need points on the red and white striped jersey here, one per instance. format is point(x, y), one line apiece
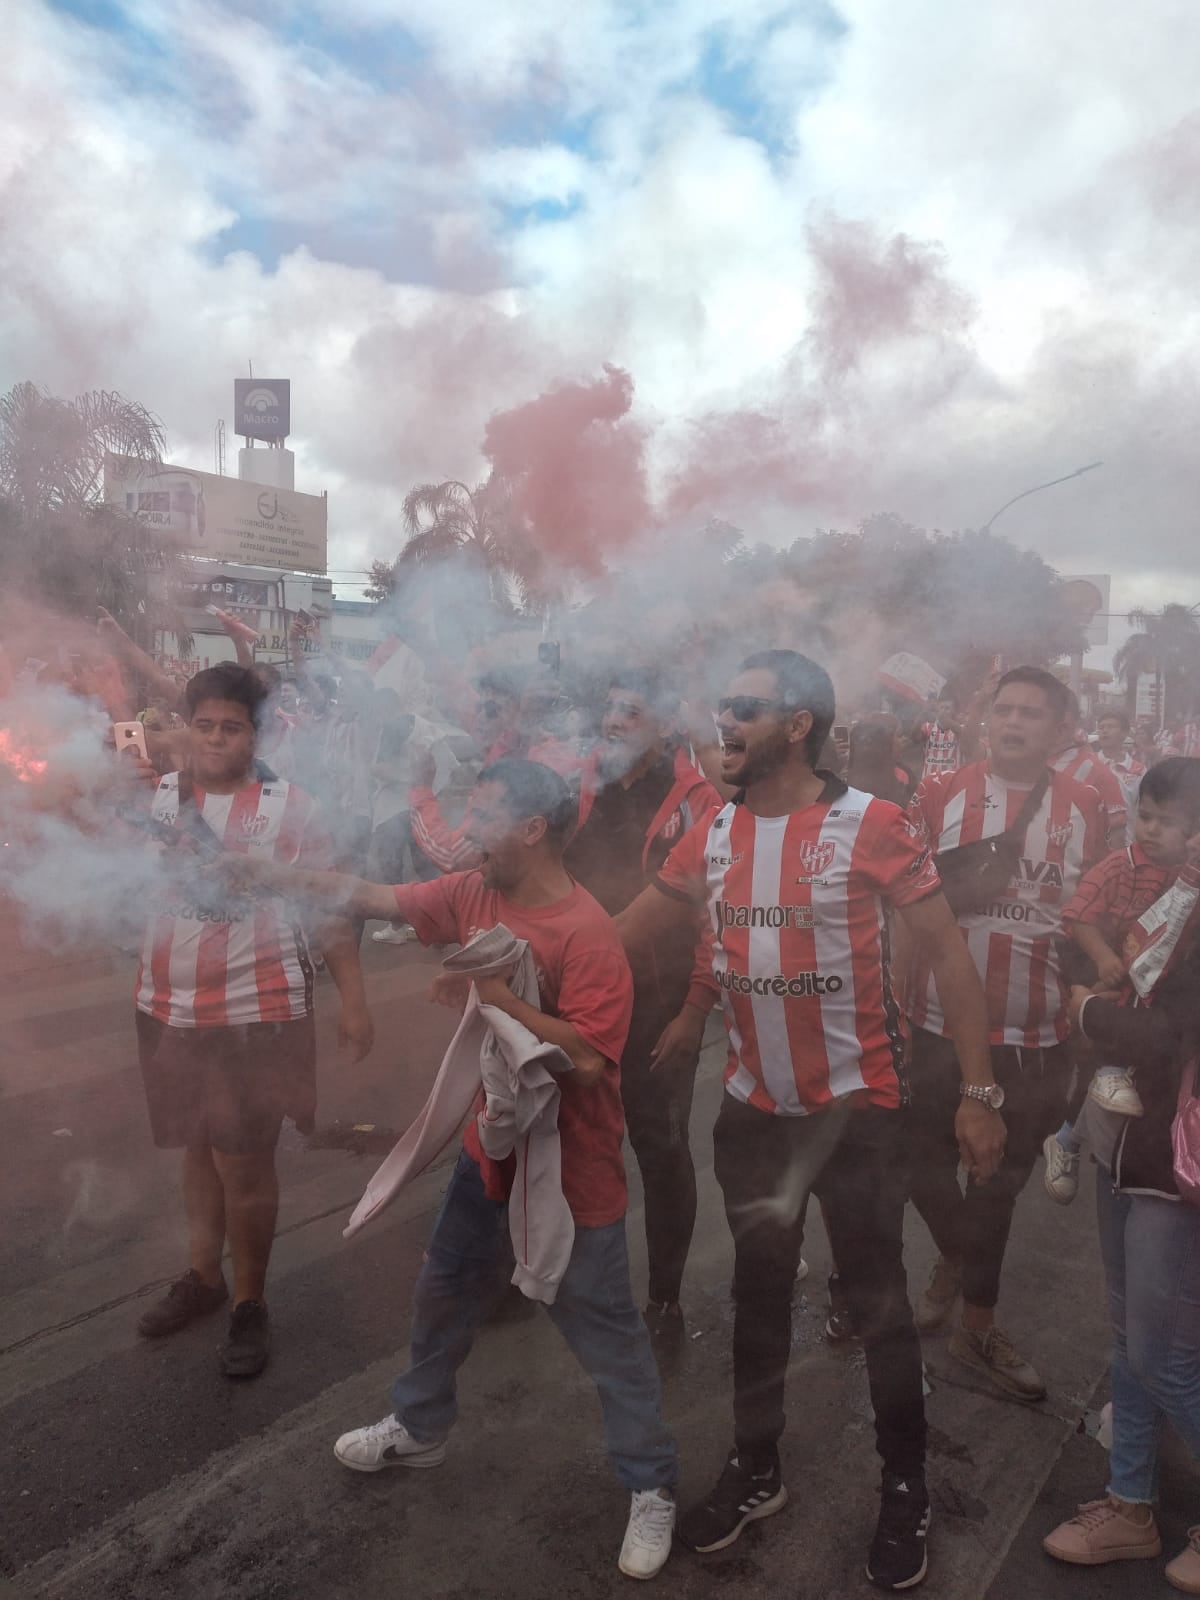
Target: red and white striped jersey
point(1186, 740)
point(1012, 941)
point(1129, 772)
point(1081, 762)
point(799, 912)
point(234, 960)
point(943, 750)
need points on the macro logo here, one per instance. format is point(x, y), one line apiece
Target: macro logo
point(262, 408)
point(268, 506)
point(264, 402)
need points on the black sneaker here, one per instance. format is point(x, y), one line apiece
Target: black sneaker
point(248, 1342)
point(187, 1299)
point(898, 1558)
point(739, 1497)
point(667, 1334)
point(839, 1324)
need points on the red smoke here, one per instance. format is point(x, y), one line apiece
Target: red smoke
point(873, 291)
point(886, 323)
point(575, 464)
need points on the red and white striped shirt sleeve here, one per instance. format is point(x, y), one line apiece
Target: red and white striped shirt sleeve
point(448, 848)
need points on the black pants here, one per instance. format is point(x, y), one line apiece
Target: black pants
point(972, 1228)
point(658, 1109)
point(855, 1162)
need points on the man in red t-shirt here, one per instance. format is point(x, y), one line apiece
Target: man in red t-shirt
point(517, 822)
point(799, 877)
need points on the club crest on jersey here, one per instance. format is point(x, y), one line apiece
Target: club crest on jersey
point(1060, 836)
point(255, 827)
point(674, 825)
point(814, 856)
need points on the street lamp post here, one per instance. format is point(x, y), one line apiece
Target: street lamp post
point(1076, 655)
point(1037, 489)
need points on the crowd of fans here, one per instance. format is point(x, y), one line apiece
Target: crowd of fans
point(927, 929)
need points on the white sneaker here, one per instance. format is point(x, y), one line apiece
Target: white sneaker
point(394, 933)
point(1061, 1176)
point(1115, 1092)
point(386, 1444)
point(647, 1542)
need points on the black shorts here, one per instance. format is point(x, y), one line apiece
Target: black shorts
point(227, 1088)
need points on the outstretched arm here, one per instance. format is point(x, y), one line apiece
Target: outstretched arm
point(336, 892)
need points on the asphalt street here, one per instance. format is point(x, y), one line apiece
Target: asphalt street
point(133, 1471)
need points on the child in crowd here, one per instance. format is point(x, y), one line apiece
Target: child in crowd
point(1100, 917)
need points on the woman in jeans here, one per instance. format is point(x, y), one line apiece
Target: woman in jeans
point(1150, 1242)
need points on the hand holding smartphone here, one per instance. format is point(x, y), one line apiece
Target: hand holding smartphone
point(131, 736)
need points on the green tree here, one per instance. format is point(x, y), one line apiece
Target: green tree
point(58, 540)
point(1166, 645)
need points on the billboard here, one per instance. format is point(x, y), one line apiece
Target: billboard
point(1087, 601)
point(262, 407)
point(225, 519)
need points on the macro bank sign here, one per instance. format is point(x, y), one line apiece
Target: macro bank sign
point(262, 408)
point(226, 519)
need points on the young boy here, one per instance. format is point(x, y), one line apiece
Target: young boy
point(1108, 902)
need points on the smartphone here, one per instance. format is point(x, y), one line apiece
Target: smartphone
point(131, 736)
point(550, 655)
point(841, 733)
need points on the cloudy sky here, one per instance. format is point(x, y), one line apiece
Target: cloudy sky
point(853, 257)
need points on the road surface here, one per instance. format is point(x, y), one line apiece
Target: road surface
point(133, 1471)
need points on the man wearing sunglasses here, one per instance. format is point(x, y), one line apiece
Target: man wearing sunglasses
point(800, 876)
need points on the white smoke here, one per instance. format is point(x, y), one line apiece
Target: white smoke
point(76, 869)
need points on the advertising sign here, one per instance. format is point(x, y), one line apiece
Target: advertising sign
point(262, 407)
point(225, 519)
point(911, 678)
point(1087, 601)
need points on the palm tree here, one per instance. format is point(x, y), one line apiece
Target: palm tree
point(448, 520)
point(58, 540)
point(1167, 644)
point(52, 451)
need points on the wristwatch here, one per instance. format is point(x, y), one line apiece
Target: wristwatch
point(989, 1094)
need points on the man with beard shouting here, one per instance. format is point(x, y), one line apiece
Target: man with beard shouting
point(800, 876)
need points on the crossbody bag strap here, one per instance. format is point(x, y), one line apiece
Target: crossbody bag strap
point(1033, 802)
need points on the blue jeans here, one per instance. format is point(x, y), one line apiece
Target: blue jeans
point(1151, 1251)
point(594, 1312)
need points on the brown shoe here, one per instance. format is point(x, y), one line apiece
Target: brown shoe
point(932, 1310)
point(1100, 1532)
point(991, 1352)
point(187, 1299)
point(1184, 1571)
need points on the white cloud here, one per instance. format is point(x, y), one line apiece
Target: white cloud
point(1051, 153)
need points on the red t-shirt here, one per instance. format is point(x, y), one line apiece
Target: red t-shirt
point(584, 978)
point(799, 913)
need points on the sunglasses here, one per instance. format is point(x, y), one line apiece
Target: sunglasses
point(747, 707)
